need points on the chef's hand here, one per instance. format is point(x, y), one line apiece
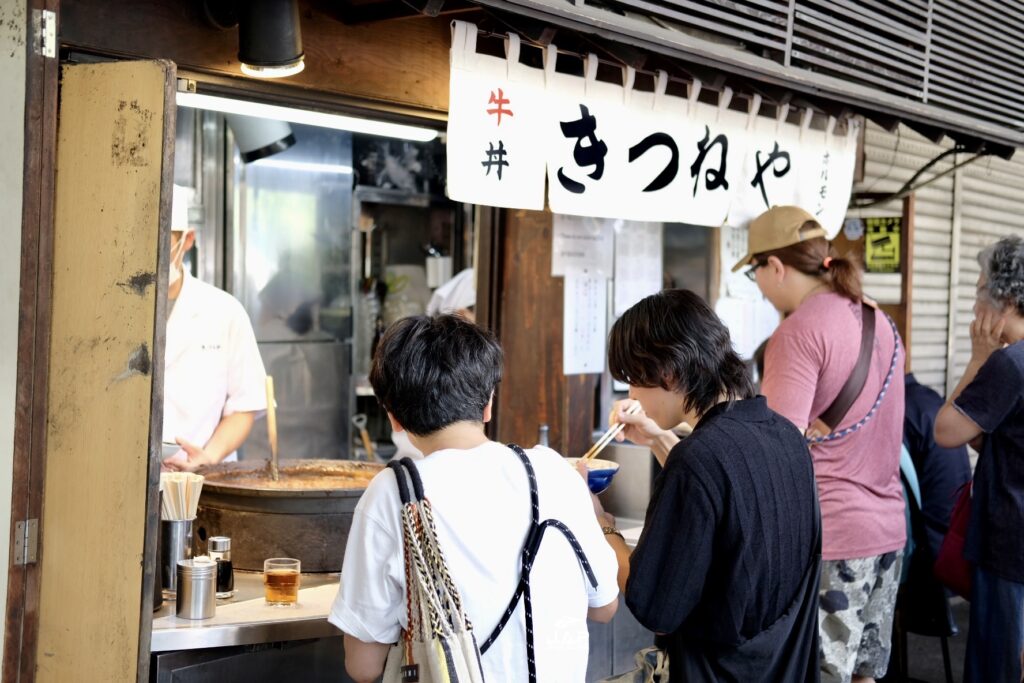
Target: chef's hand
point(195, 457)
point(640, 429)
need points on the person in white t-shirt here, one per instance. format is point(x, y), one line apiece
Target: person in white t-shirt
point(214, 381)
point(435, 377)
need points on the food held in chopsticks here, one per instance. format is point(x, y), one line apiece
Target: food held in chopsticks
point(600, 472)
point(612, 432)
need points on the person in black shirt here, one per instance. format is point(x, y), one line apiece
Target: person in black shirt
point(989, 401)
point(940, 471)
point(727, 567)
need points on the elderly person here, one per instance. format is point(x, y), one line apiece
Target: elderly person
point(989, 403)
point(726, 570)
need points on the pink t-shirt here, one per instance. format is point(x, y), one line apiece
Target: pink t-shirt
point(807, 362)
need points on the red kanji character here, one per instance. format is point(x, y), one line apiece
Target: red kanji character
point(499, 100)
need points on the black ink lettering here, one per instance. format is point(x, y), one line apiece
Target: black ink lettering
point(668, 174)
point(769, 162)
point(714, 178)
point(591, 154)
point(495, 158)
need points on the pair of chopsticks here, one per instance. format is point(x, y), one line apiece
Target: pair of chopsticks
point(607, 437)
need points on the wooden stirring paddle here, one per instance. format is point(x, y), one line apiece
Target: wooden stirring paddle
point(272, 429)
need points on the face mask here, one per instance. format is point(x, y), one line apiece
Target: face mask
point(177, 256)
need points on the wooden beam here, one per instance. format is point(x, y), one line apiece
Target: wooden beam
point(22, 616)
point(907, 272)
point(404, 62)
point(534, 391)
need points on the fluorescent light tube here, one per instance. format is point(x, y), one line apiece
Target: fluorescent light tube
point(227, 105)
point(309, 167)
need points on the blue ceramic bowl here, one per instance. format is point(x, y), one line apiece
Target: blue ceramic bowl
point(599, 473)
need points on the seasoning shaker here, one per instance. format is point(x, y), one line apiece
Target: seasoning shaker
point(219, 548)
point(542, 435)
point(196, 588)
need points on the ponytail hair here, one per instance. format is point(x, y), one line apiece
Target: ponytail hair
point(819, 259)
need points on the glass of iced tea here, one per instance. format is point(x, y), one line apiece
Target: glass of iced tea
point(281, 581)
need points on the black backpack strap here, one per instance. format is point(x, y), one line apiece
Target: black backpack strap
point(414, 474)
point(403, 485)
point(527, 557)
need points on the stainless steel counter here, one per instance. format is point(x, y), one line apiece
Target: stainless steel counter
point(246, 619)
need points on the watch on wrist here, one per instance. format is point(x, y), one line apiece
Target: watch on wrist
point(612, 531)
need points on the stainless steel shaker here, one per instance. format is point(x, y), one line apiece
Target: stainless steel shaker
point(196, 594)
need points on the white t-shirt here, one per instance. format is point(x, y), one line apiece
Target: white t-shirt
point(212, 366)
point(481, 503)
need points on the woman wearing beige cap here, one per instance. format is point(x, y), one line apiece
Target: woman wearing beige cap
point(850, 408)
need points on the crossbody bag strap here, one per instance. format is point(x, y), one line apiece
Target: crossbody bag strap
point(527, 557)
point(835, 413)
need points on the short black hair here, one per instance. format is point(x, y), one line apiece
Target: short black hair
point(674, 340)
point(430, 372)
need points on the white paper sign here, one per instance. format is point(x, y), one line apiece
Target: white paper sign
point(610, 151)
point(582, 245)
point(750, 322)
point(583, 324)
point(638, 263)
point(734, 247)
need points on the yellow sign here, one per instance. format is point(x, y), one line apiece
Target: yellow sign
point(882, 244)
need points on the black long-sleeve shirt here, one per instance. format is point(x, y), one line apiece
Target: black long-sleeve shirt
point(940, 471)
point(730, 531)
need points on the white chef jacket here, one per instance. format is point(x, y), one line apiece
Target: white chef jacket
point(212, 364)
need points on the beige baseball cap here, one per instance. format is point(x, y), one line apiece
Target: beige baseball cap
point(776, 228)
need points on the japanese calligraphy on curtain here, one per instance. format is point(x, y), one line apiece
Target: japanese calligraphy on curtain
point(610, 151)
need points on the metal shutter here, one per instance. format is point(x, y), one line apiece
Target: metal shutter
point(890, 159)
point(993, 207)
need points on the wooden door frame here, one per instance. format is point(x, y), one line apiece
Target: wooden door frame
point(41, 80)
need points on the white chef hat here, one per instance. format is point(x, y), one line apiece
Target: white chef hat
point(180, 201)
point(454, 295)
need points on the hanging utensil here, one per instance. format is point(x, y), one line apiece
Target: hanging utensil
point(360, 423)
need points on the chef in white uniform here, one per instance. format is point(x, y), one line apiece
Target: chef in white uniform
point(214, 381)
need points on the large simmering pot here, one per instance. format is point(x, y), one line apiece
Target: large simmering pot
point(305, 515)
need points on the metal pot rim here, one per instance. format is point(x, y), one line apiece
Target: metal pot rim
point(221, 487)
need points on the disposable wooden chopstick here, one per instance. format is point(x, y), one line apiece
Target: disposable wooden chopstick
point(181, 494)
point(607, 437)
point(196, 489)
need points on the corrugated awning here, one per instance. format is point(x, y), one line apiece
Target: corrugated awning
point(924, 62)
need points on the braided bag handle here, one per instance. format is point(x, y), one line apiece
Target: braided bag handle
point(432, 594)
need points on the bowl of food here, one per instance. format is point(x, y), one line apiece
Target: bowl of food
point(599, 473)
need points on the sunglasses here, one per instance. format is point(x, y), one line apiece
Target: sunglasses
point(752, 270)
